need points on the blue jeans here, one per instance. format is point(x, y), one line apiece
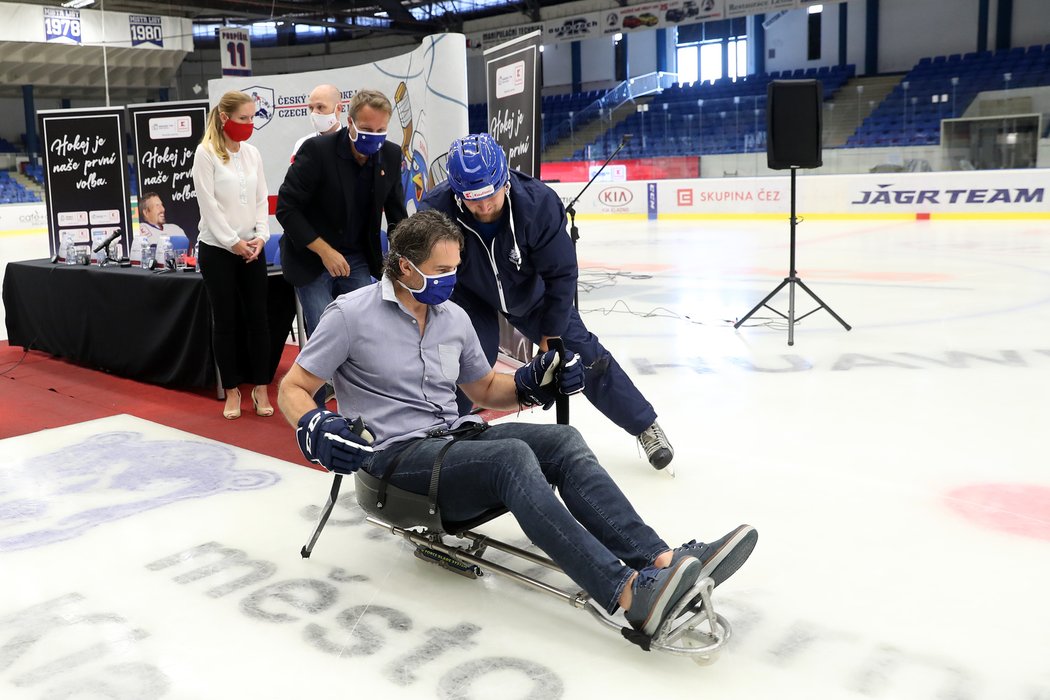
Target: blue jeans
point(317, 295)
point(591, 532)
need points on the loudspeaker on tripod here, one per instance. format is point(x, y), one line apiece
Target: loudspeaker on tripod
point(793, 124)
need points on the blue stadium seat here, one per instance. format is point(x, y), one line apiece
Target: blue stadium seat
point(272, 248)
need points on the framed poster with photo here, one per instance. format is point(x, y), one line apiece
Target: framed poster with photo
point(165, 136)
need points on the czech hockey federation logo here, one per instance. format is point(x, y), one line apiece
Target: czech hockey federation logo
point(264, 104)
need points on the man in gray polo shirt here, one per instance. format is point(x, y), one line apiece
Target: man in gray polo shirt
point(397, 366)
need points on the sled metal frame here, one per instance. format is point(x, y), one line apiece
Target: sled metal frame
point(696, 632)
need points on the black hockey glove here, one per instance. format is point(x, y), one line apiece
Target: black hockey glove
point(539, 382)
point(330, 440)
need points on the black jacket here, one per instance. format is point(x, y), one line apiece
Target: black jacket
point(312, 203)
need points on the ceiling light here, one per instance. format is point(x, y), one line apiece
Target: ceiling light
point(77, 4)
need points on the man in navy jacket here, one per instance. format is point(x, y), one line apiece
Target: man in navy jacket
point(519, 261)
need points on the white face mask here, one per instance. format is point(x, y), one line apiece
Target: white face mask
point(323, 122)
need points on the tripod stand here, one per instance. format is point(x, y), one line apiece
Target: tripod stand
point(574, 232)
point(790, 281)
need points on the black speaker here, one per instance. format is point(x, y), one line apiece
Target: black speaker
point(793, 124)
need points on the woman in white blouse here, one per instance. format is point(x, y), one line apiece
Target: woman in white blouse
point(231, 191)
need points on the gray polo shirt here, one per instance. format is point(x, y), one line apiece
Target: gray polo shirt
point(403, 385)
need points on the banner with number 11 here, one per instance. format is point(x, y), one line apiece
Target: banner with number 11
point(236, 51)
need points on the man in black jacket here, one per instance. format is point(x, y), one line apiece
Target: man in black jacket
point(519, 261)
point(331, 205)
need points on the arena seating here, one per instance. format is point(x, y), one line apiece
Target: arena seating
point(13, 192)
point(728, 116)
point(35, 173)
point(909, 116)
point(555, 109)
point(706, 118)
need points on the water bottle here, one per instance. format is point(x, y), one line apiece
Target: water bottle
point(197, 256)
point(169, 254)
point(71, 253)
point(166, 253)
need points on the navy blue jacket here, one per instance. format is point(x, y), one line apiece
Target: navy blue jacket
point(531, 266)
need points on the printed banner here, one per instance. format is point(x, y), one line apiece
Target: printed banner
point(62, 26)
point(26, 24)
point(742, 8)
point(513, 86)
point(428, 87)
point(165, 136)
point(572, 28)
point(24, 218)
point(697, 10)
point(488, 39)
point(146, 29)
point(85, 178)
point(626, 19)
point(658, 15)
point(651, 15)
point(908, 196)
point(512, 77)
point(235, 51)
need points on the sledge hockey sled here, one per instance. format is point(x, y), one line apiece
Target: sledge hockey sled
point(696, 632)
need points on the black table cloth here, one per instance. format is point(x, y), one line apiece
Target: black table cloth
point(134, 323)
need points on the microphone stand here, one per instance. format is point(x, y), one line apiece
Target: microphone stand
point(104, 258)
point(574, 232)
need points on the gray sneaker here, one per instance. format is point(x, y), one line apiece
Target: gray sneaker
point(657, 449)
point(657, 591)
point(720, 559)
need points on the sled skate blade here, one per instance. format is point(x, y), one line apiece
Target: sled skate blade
point(447, 562)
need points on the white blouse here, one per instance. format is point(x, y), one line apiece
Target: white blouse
point(232, 196)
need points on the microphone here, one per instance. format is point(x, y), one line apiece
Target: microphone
point(627, 138)
point(112, 237)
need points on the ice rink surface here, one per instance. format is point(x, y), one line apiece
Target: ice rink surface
point(894, 473)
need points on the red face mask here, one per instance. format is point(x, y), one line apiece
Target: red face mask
point(238, 131)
